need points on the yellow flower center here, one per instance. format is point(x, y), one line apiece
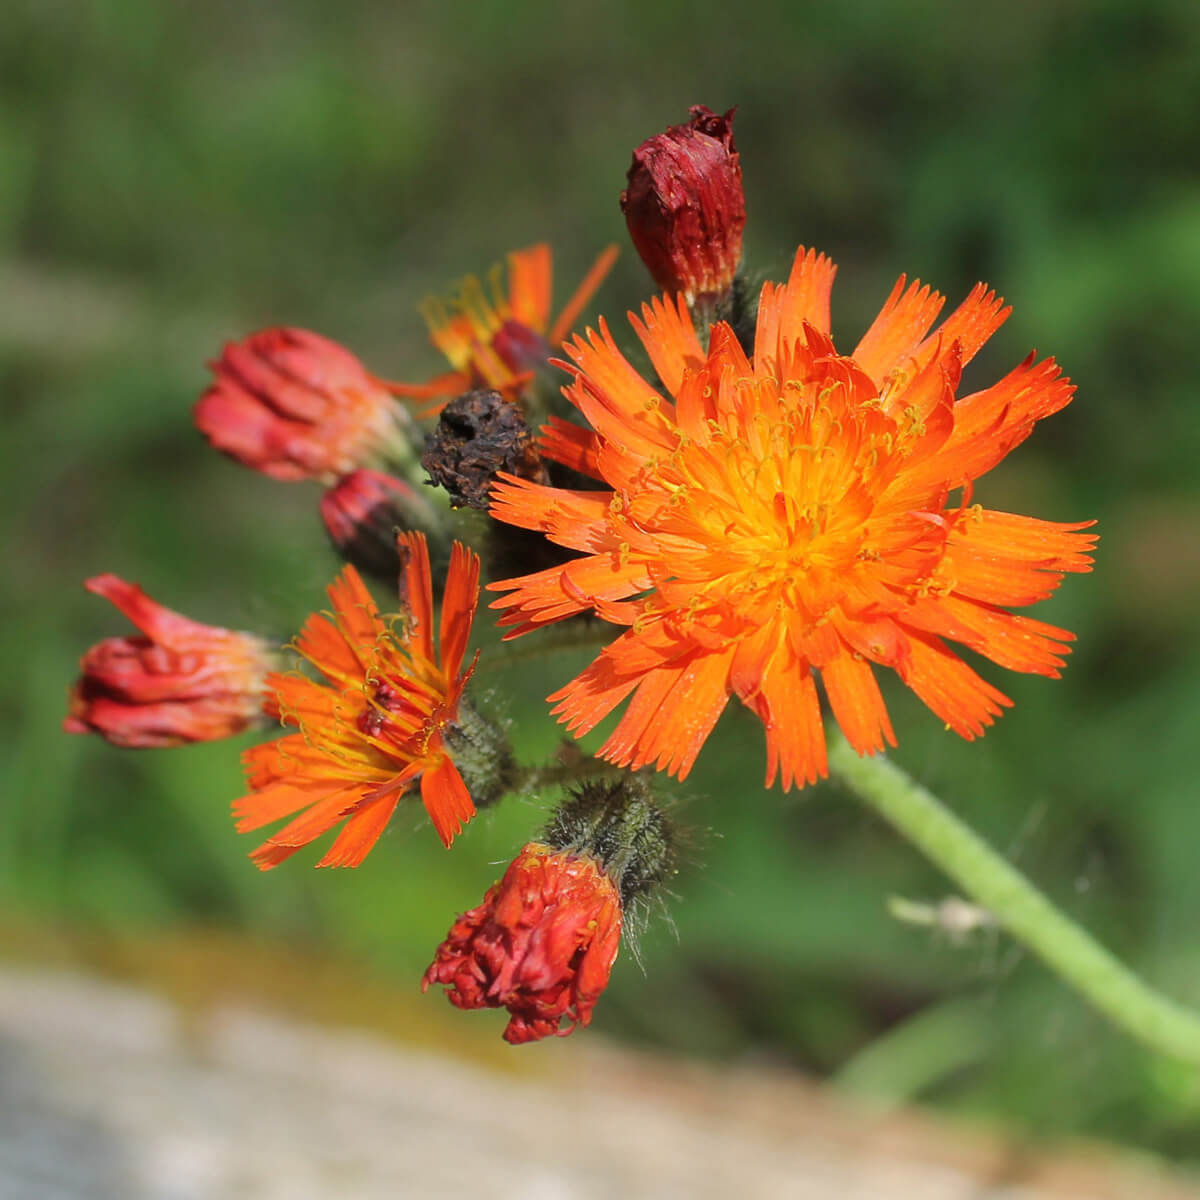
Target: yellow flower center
point(776, 509)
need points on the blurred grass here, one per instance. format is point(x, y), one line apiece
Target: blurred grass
point(172, 176)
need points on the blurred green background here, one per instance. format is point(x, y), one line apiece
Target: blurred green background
point(175, 175)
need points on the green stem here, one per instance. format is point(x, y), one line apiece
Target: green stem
point(1017, 905)
point(554, 774)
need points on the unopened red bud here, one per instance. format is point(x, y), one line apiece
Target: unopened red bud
point(362, 512)
point(295, 405)
point(179, 681)
point(542, 944)
point(685, 207)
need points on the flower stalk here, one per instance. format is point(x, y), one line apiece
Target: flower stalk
point(1018, 906)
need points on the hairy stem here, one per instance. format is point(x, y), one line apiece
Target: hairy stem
point(1017, 905)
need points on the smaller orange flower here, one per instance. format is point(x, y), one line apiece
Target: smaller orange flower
point(377, 726)
point(542, 944)
point(179, 682)
point(500, 343)
point(295, 405)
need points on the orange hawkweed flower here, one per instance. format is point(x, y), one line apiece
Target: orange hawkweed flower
point(377, 725)
point(500, 342)
point(789, 513)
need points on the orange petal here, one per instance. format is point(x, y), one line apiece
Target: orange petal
point(361, 832)
point(966, 702)
point(1006, 559)
point(446, 799)
point(970, 324)
point(560, 592)
point(459, 601)
point(667, 332)
point(804, 299)
point(766, 329)
point(284, 759)
point(450, 383)
point(277, 800)
point(857, 704)
point(791, 712)
point(356, 625)
point(584, 702)
point(296, 698)
point(618, 403)
point(895, 334)
point(671, 714)
point(575, 519)
point(418, 592)
point(322, 816)
point(530, 283)
point(1015, 642)
point(988, 425)
point(572, 445)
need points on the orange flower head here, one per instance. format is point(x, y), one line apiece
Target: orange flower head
point(499, 341)
point(295, 405)
point(179, 682)
point(790, 513)
point(542, 944)
point(379, 723)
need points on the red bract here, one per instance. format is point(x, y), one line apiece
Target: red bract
point(180, 682)
point(542, 944)
point(685, 207)
point(295, 405)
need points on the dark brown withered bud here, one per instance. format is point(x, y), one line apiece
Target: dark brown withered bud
point(478, 435)
point(685, 206)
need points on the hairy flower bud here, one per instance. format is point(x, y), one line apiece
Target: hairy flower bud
point(179, 682)
point(543, 942)
point(619, 822)
point(295, 405)
point(685, 207)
